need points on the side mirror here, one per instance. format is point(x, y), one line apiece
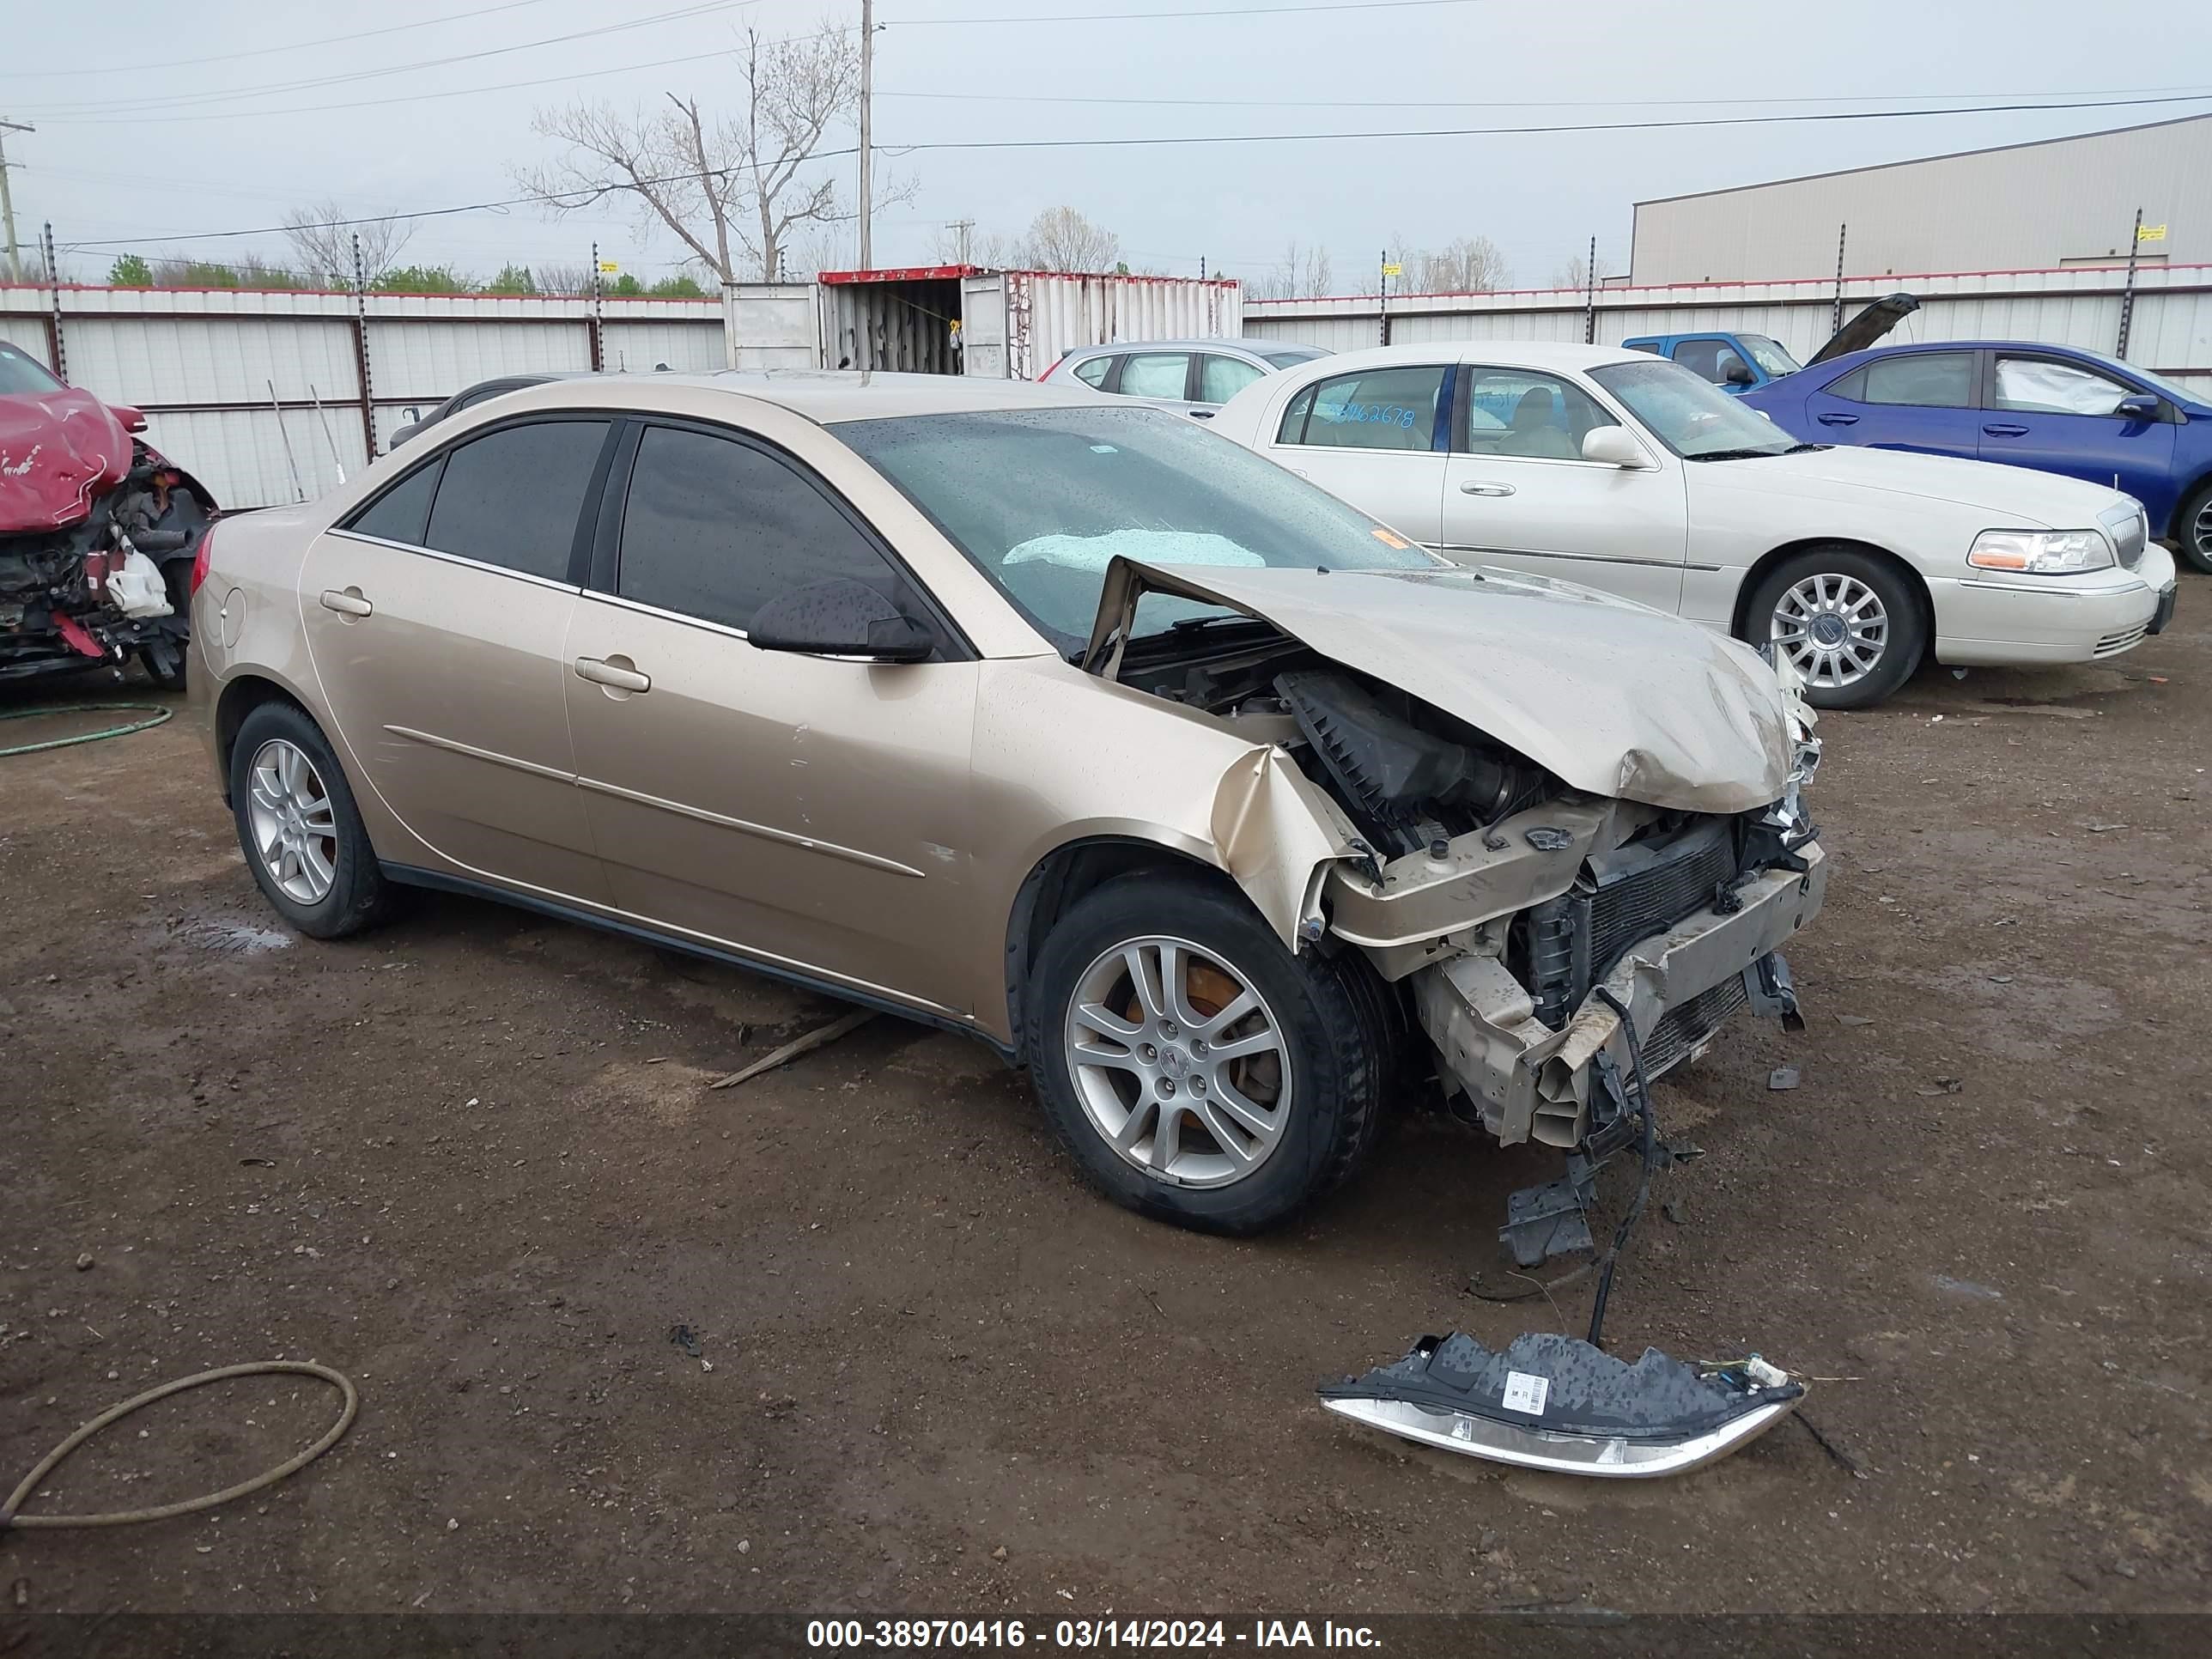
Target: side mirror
point(841, 618)
point(1740, 374)
point(2141, 406)
point(134, 421)
point(1613, 447)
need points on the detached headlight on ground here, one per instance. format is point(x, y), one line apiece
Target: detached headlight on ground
point(1553, 1403)
point(2041, 552)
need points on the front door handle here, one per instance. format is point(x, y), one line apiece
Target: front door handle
point(1836, 420)
point(348, 603)
point(1478, 487)
point(2005, 430)
point(617, 673)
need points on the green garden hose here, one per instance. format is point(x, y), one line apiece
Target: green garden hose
point(155, 710)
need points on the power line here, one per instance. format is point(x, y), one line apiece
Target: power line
point(1226, 11)
point(194, 99)
point(589, 192)
point(1494, 103)
point(108, 69)
point(419, 97)
point(1552, 127)
point(592, 193)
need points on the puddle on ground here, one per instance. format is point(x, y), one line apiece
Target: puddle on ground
point(230, 937)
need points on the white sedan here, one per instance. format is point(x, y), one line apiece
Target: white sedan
point(1623, 472)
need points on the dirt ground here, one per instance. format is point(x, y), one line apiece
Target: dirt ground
point(470, 1159)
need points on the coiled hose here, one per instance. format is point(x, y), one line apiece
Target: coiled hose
point(155, 710)
point(45, 1466)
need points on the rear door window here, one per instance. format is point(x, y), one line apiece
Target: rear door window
point(511, 498)
point(1092, 371)
point(714, 528)
point(401, 512)
point(1391, 408)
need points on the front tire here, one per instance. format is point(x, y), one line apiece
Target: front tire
point(1199, 1071)
point(1846, 619)
point(302, 836)
point(2192, 531)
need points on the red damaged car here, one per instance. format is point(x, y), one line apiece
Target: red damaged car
point(97, 532)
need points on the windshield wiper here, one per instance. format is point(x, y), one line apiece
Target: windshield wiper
point(1745, 454)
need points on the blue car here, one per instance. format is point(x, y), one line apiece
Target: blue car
point(2054, 408)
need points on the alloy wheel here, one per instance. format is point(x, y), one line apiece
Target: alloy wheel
point(294, 829)
point(1178, 1061)
point(1833, 628)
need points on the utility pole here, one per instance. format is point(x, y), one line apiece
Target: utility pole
point(867, 149)
point(960, 228)
point(8, 199)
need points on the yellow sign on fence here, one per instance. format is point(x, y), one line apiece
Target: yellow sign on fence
point(2150, 233)
point(1394, 270)
point(609, 266)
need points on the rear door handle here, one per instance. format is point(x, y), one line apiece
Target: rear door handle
point(1836, 420)
point(1477, 487)
point(602, 672)
point(348, 603)
point(2005, 430)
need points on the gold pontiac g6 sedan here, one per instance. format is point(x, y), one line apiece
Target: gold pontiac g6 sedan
point(1220, 806)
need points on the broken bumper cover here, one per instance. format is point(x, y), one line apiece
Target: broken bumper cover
point(1554, 1402)
point(1530, 1081)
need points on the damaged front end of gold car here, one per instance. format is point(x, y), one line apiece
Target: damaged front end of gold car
point(1578, 857)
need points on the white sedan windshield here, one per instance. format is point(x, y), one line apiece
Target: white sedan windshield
point(1690, 415)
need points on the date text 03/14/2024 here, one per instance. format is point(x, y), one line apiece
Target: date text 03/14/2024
point(834, 1633)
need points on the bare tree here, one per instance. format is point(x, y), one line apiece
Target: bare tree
point(1060, 238)
point(324, 247)
point(733, 190)
point(1573, 273)
point(1472, 264)
point(992, 249)
point(561, 277)
point(1318, 278)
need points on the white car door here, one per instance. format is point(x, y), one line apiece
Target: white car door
point(1376, 438)
point(1517, 492)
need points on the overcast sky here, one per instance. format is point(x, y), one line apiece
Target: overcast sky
point(103, 165)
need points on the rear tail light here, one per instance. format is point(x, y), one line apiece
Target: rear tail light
point(200, 558)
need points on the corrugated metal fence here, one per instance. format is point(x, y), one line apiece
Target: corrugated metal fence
point(252, 390)
point(265, 397)
point(2169, 330)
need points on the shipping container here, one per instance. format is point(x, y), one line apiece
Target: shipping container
point(964, 320)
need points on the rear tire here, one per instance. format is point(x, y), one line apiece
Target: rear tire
point(301, 834)
point(1847, 619)
point(2192, 531)
point(1256, 1136)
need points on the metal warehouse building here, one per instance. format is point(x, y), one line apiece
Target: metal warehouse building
point(2022, 207)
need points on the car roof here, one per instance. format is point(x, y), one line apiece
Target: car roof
point(1526, 353)
point(829, 395)
point(1217, 343)
point(1850, 359)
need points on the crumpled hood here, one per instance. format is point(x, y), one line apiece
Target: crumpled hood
point(59, 450)
point(1612, 697)
point(2014, 497)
